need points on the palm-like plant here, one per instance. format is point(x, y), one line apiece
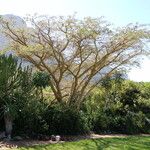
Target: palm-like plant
point(11, 80)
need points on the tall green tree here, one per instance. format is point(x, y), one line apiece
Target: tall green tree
point(13, 80)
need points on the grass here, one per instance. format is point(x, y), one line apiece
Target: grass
point(128, 143)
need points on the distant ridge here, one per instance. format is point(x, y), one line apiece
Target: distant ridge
point(17, 22)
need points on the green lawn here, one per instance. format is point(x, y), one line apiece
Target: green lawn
point(128, 143)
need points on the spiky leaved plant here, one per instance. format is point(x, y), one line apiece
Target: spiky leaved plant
point(11, 79)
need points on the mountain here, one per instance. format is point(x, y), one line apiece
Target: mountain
point(17, 22)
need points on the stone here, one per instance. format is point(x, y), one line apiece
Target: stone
point(53, 138)
point(57, 138)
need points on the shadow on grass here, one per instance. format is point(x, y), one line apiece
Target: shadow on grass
point(128, 143)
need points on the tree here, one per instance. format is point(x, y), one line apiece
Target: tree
point(77, 54)
point(41, 80)
point(13, 81)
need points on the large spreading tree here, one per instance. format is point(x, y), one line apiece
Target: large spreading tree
point(77, 54)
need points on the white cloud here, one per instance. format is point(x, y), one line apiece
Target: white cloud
point(23, 7)
point(142, 73)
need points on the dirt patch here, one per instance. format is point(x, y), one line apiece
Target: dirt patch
point(4, 145)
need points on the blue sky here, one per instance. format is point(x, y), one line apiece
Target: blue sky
point(118, 12)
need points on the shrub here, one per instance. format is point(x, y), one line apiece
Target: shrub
point(65, 121)
point(119, 109)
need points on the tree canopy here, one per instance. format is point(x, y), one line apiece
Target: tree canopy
point(77, 54)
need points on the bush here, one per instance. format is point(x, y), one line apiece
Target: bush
point(101, 123)
point(123, 109)
point(135, 122)
point(65, 121)
point(30, 119)
point(108, 123)
point(38, 119)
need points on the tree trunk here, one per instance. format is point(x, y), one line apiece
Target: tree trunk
point(8, 125)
